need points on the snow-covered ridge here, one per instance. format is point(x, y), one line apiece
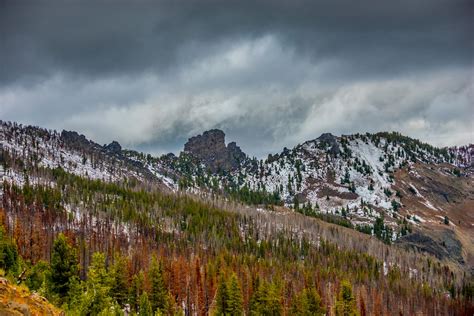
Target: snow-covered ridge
point(351, 176)
point(28, 145)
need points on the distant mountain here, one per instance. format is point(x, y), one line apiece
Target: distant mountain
point(383, 184)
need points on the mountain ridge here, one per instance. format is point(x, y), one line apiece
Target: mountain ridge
point(354, 180)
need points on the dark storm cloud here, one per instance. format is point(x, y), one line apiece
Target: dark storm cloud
point(109, 38)
point(270, 73)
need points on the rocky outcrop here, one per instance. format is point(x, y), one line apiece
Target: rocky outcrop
point(330, 140)
point(236, 155)
point(74, 140)
point(114, 147)
point(210, 149)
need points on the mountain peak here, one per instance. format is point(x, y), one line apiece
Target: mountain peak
point(74, 139)
point(331, 140)
point(210, 149)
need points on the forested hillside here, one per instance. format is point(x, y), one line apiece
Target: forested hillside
point(91, 246)
point(387, 185)
point(120, 242)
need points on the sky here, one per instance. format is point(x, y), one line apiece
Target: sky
point(270, 74)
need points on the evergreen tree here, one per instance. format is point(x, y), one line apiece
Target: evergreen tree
point(266, 300)
point(97, 298)
point(300, 304)
point(145, 306)
point(256, 297)
point(75, 294)
point(352, 187)
point(234, 296)
point(371, 185)
point(158, 293)
point(346, 303)
point(315, 304)
point(347, 177)
point(296, 203)
point(36, 278)
point(8, 253)
point(222, 297)
point(136, 289)
point(446, 220)
point(307, 303)
point(119, 277)
point(64, 267)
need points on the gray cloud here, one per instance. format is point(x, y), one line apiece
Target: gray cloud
point(271, 74)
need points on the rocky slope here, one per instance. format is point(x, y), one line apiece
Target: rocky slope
point(17, 301)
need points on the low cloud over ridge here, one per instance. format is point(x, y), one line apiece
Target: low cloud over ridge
point(271, 74)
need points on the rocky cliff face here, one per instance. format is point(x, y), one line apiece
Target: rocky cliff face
point(210, 149)
point(114, 147)
point(236, 154)
point(74, 140)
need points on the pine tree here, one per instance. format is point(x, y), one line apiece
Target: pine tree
point(347, 177)
point(136, 289)
point(273, 304)
point(8, 253)
point(64, 267)
point(315, 305)
point(158, 293)
point(446, 220)
point(97, 296)
point(75, 294)
point(37, 276)
point(346, 303)
point(307, 303)
point(119, 276)
point(266, 300)
point(145, 306)
point(222, 297)
point(300, 304)
point(352, 187)
point(256, 297)
point(234, 297)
